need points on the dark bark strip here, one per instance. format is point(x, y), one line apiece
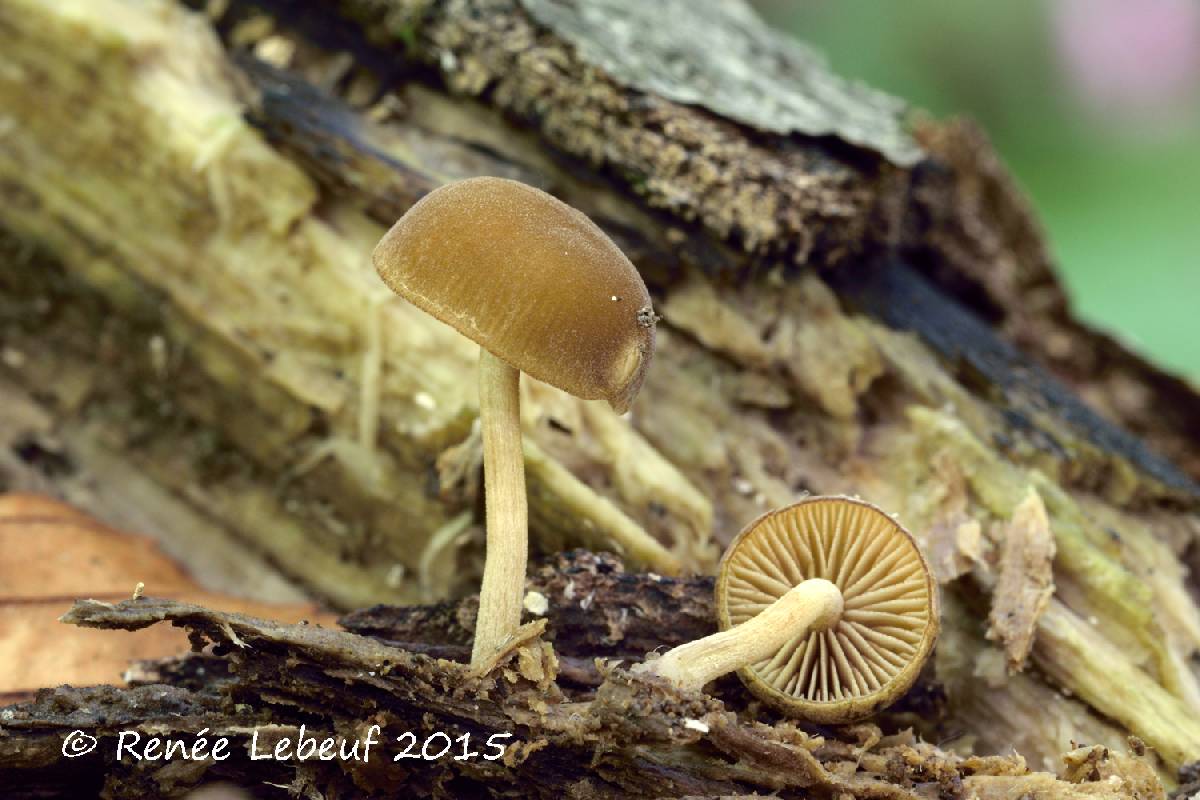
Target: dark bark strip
point(628, 737)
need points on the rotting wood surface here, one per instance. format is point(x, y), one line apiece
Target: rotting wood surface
point(621, 737)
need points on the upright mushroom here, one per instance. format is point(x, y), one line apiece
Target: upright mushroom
point(827, 609)
point(543, 291)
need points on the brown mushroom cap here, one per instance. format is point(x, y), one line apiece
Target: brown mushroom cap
point(888, 626)
point(529, 278)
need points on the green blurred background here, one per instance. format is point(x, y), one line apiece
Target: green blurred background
point(1095, 107)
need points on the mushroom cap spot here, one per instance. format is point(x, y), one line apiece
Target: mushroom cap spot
point(529, 278)
point(889, 624)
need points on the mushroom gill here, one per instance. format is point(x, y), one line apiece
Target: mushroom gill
point(888, 624)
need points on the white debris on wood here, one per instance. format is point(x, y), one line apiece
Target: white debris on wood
point(536, 603)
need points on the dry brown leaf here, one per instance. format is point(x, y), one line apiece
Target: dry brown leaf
point(52, 554)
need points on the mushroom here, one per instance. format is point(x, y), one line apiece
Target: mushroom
point(542, 290)
point(827, 610)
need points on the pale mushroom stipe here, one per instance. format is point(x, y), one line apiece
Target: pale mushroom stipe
point(827, 610)
point(542, 290)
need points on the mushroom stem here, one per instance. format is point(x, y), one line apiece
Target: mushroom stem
point(504, 499)
point(811, 604)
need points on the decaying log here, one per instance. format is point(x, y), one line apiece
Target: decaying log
point(195, 345)
point(594, 608)
point(625, 737)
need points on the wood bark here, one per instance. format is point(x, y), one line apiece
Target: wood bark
point(195, 344)
point(621, 736)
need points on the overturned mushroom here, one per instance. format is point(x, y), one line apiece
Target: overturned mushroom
point(827, 609)
point(543, 291)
